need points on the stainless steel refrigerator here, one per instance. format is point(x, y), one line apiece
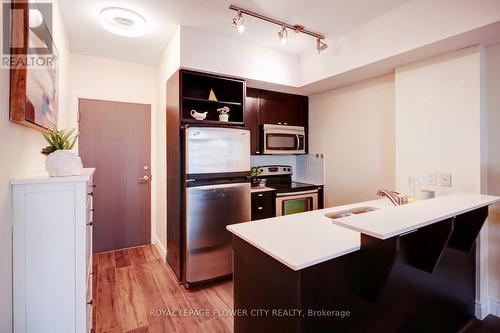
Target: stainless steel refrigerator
point(217, 163)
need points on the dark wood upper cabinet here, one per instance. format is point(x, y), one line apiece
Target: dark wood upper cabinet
point(252, 106)
point(271, 107)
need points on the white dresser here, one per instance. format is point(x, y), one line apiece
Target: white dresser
point(52, 253)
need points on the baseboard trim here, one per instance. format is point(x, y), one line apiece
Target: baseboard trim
point(495, 307)
point(160, 248)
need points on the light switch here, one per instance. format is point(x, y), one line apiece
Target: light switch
point(445, 179)
point(431, 179)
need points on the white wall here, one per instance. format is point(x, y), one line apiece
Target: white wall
point(354, 127)
point(493, 107)
point(167, 65)
point(20, 148)
point(438, 105)
point(208, 52)
point(105, 79)
point(409, 27)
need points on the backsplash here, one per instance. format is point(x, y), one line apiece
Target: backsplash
point(308, 168)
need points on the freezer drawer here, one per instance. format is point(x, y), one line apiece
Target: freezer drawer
point(217, 150)
point(208, 245)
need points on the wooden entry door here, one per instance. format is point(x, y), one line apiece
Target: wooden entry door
point(115, 138)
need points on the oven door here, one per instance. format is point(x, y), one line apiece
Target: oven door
point(296, 202)
point(284, 139)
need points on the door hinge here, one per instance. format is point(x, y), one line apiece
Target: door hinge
point(78, 116)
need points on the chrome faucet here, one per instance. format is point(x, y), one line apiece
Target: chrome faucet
point(393, 196)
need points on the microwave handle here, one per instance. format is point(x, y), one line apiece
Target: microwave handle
point(298, 141)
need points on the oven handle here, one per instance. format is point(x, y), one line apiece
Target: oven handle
point(289, 194)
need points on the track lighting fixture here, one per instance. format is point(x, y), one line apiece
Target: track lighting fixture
point(238, 22)
point(283, 34)
point(320, 46)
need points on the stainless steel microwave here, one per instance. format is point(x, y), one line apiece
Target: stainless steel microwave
point(281, 139)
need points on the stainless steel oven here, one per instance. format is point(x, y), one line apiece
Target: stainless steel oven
point(280, 139)
point(296, 202)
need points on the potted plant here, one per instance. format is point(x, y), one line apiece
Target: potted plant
point(61, 161)
point(223, 113)
point(254, 173)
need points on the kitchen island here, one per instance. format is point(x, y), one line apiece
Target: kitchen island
point(404, 268)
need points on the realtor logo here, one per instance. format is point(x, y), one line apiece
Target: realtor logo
point(27, 34)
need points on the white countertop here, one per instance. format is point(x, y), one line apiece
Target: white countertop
point(256, 189)
point(306, 239)
point(396, 220)
point(43, 177)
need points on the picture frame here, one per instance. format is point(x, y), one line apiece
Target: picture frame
point(34, 73)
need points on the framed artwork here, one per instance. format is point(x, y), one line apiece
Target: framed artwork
point(34, 66)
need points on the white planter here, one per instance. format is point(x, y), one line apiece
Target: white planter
point(63, 163)
point(224, 117)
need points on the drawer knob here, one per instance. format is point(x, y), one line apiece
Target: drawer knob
point(260, 195)
point(91, 193)
point(91, 302)
point(260, 208)
point(93, 185)
point(90, 223)
point(92, 209)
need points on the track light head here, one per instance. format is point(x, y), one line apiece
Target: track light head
point(320, 46)
point(238, 22)
point(283, 35)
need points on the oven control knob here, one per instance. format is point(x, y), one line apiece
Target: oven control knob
point(261, 170)
point(288, 169)
point(284, 169)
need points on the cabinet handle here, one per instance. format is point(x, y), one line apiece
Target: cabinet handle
point(279, 123)
point(91, 302)
point(285, 123)
point(257, 152)
point(92, 210)
point(260, 208)
point(260, 194)
point(90, 223)
point(91, 193)
point(93, 185)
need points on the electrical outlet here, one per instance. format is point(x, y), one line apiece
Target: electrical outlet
point(431, 179)
point(445, 179)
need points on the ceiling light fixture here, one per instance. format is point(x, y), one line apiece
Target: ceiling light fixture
point(320, 46)
point(238, 22)
point(283, 34)
point(123, 22)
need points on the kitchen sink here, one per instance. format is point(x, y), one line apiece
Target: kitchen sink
point(350, 212)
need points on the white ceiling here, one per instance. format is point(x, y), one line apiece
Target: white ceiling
point(332, 18)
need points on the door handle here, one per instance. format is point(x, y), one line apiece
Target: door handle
point(144, 179)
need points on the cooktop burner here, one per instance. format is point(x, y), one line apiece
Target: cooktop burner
point(292, 187)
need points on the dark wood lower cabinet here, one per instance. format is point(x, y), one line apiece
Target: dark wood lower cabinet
point(263, 206)
point(383, 287)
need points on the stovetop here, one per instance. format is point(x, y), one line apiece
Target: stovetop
point(279, 177)
point(292, 187)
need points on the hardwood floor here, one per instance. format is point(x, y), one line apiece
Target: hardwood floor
point(134, 291)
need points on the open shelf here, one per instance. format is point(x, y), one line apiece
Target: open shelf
point(194, 95)
point(212, 122)
point(210, 101)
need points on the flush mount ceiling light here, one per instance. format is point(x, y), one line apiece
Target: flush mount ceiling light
point(283, 34)
point(123, 22)
point(238, 22)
